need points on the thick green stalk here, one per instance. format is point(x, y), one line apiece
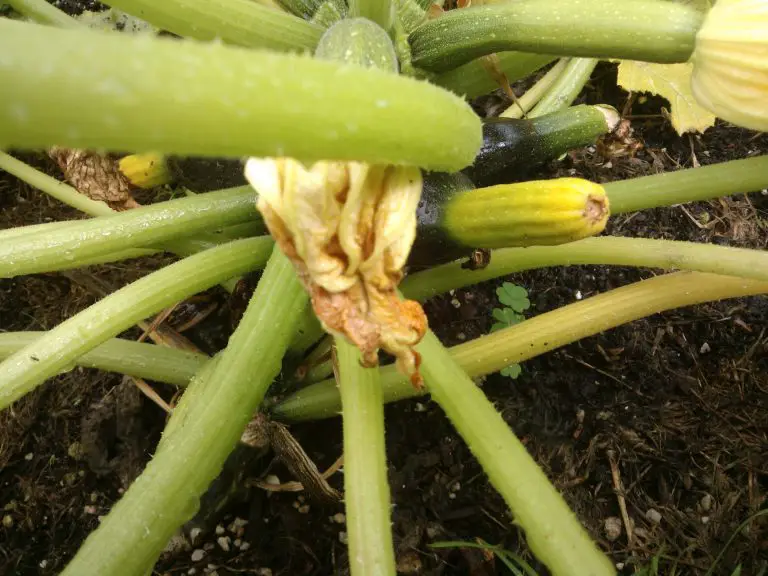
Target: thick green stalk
point(527, 101)
point(647, 30)
point(138, 359)
point(254, 103)
point(44, 13)
point(60, 347)
point(94, 239)
point(205, 427)
point(382, 12)
point(552, 531)
point(566, 88)
point(689, 185)
point(541, 334)
point(606, 250)
point(366, 490)
point(241, 22)
point(475, 79)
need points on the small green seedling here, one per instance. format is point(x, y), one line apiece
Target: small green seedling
point(516, 565)
point(514, 300)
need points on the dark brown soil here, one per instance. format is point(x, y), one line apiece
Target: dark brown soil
point(678, 402)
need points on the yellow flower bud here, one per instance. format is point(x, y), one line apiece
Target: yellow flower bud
point(730, 73)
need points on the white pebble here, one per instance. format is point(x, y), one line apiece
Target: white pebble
point(197, 555)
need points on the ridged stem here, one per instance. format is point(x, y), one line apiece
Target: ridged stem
point(382, 12)
point(255, 103)
point(689, 185)
point(552, 531)
point(646, 30)
point(61, 346)
point(527, 101)
point(205, 427)
point(566, 88)
point(159, 363)
point(95, 239)
point(241, 22)
point(366, 489)
point(475, 79)
point(541, 334)
point(44, 13)
point(605, 250)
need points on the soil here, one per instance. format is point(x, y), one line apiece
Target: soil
point(667, 414)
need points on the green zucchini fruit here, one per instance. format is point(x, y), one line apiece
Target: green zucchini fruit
point(358, 41)
point(512, 147)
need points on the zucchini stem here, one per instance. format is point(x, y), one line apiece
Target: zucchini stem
point(60, 347)
point(689, 185)
point(541, 334)
point(240, 22)
point(138, 359)
point(204, 428)
point(366, 489)
point(552, 530)
point(647, 30)
point(382, 12)
point(44, 13)
point(566, 87)
point(527, 101)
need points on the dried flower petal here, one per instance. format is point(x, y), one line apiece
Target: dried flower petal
point(348, 227)
point(96, 176)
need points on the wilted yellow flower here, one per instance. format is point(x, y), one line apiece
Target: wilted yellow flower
point(348, 227)
point(730, 73)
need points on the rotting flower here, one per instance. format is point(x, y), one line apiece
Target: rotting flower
point(348, 228)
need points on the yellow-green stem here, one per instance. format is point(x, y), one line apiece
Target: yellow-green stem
point(60, 347)
point(566, 87)
point(366, 489)
point(159, 363)
point(44, 13)
point(541, 334)
point(527, 101)
point(205, 427)
point(552, 531)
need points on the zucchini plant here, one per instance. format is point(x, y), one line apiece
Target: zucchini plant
point(359, 146)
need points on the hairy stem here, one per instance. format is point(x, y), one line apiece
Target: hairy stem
point(689, 185)
point(527, 101)
point(646, 30)
point(159, 363)
point(382, 12)
point(203, 430)
point(94, 239)
point(366, 490)
point(552, 531)
point(60, 347)
point(541, 334)
point(256, 103)
point(567, 87)
point(241, 22)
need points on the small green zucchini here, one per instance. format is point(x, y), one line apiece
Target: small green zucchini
point(512, 147)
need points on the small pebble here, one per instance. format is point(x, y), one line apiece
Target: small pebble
point(194, 533)
point(343, 538)
point(90, 510)
point(237, 542)
point(420, 407)
point(208, 546)
point(224, 542)
point(455, 303)
point(705, 519)
point(244, 546)
point(192, 571)
point(197, 555)
point(578, 295)
point(339, 518)
point(272, 480)
point(706, 502)
point(29, 456)
point(8, 521)
point(219, 530)
point(704, 348)
point(304, 509)
point(653, 516)
point(43, 563)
